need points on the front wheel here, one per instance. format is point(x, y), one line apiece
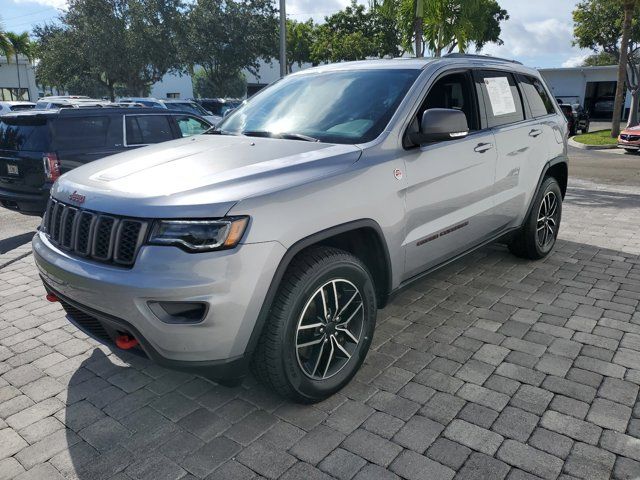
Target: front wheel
point(320, 326)
point(631, 150)
point(538, 235)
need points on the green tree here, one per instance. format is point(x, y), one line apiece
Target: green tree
point(111, 43)
point(599, 59)
point(599, 26)
point(21, 45)
point(227, 87)
point(450, 24)
point(5, 45)
point(224, 37)
point(300, 39)
point(356, 33)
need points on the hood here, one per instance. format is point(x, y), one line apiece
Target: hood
point(198, 177)
point(632, 130)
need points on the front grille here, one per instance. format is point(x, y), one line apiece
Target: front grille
point(105, 238)
point(630, 138)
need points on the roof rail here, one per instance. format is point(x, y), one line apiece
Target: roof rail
point(483, 57)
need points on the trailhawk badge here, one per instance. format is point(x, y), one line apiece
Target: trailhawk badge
point(76, 197)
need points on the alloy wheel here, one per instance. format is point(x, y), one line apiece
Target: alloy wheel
point(329, 329)
point(547, 225)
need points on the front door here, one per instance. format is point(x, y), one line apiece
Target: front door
point(449, 197)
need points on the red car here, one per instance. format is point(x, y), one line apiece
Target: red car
point(629, 139)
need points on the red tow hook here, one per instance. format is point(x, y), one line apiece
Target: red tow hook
point(126, 342)
point(52, 298)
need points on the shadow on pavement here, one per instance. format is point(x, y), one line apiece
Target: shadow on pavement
point(14, 242)
point(602, 198)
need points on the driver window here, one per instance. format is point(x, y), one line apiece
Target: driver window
point(452, 91)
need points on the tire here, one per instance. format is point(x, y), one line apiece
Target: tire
point(585, 129)
point(530, 241)
point(572, 132)
point(631, 150)
point(307, 374)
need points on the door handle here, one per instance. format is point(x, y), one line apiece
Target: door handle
point(535, 133)
point(483, 147)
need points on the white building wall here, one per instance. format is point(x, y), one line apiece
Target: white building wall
point(9, 76)
point(173, 83)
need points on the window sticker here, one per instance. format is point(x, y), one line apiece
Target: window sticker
point(500, 95)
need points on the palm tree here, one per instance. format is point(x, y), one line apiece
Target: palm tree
point(20, 45)
point(629, 8)
point(5, 46)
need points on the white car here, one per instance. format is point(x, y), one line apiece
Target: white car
point(6, 107)
point(53, 103)
point(187, 106)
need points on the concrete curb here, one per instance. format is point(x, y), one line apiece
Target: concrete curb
point(575, 144)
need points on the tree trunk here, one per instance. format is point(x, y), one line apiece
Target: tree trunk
point(633, 112)
point(629, 7)
point(417, 27)
point(418, 32)
point(112, 96)
point(18, 72)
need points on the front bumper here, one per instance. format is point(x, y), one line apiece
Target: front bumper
point(629, 146)
point(233, 283)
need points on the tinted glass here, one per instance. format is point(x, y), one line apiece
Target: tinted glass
point(77, 133)
point(539, 101)
point(191, 126)
point(29, 134)
point(502, 101)
point(338, 106)
point(187, 107)
point(453, 91)
point(146, 129)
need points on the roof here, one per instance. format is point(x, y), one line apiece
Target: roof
point(17, 102)
point(89, 111)
point(413, 63)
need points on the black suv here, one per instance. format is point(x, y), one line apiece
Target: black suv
point(577, 118)
point(36, 147)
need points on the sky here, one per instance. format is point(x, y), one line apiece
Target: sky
point(538, 33)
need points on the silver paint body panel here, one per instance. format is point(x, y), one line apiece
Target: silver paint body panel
point(291, 190)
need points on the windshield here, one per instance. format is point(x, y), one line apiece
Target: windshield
point(188, 107)
point(337, 107)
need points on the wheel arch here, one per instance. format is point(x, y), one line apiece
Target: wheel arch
point(557, 168)
point(347, 236)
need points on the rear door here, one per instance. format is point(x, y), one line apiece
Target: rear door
point(147, 129)
point(82, 139)
point(520, 142)
point(23, 141)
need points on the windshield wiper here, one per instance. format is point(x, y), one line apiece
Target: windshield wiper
point(285, 135)
point(217, 131)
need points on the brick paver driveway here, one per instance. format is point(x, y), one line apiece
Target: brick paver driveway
point(493, 368)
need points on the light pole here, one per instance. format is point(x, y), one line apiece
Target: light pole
point(283, 39)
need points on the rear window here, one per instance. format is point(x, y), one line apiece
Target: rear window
point(147, 129)
point(539, 100)
point(16, 108)
point(24, 134)
point(81, 132)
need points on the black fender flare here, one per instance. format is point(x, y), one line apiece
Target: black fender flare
point(297, 248)
point(551, 163)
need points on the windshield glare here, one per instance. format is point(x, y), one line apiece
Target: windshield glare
point(336, 107)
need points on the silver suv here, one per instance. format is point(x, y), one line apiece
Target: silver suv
point(272, 240)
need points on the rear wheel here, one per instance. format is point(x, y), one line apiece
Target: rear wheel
point(538, 234)
point(586, 128)
point(320, 326)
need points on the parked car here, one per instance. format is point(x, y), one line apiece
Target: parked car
point(272, 240)
point(55, 103)
point(629, 139)
point(37, 146)
point(219, 106)
point(603, 106)
point(577, 118)
point(14, 106)
point(175, 104)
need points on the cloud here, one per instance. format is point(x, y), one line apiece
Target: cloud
point(60, 4)
point(575, 61)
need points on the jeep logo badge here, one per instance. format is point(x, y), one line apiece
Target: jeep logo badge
point(76, 197)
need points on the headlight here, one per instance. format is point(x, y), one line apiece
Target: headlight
point(199, 235)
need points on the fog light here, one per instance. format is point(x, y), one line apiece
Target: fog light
point(179, 312)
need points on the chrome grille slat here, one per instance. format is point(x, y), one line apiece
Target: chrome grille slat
point(100, 237)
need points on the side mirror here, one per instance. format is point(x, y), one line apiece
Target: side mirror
point(441, 124)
